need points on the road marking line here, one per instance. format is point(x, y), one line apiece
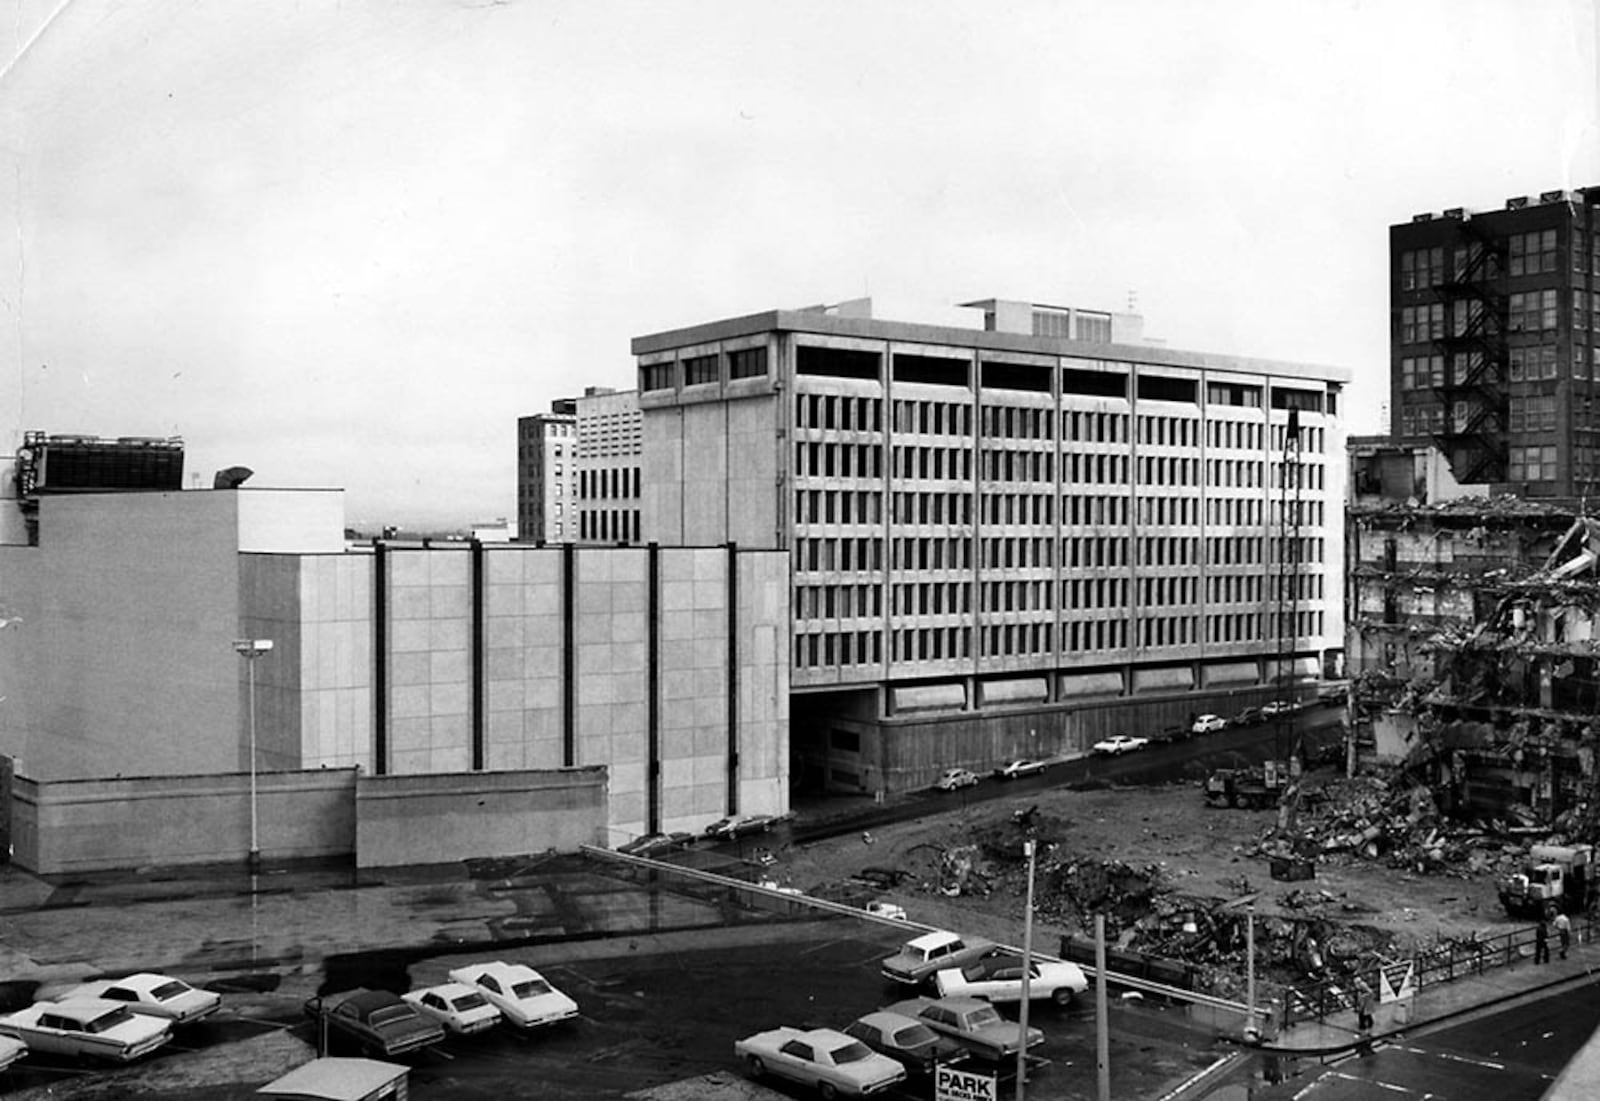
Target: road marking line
point(1489, 1064)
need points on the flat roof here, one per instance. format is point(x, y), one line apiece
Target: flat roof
point(822, 324)
point(335, 1079)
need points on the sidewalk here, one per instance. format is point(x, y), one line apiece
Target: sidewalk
point(1337, 1032)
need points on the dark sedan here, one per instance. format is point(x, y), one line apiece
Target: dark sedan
point(380, 1022)
point(910, 1042)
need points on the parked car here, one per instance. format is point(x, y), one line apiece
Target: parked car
point(834, 1064)
point(953, 778)
point(1013, 770)
point(11, 1049)
point(739, 825)
point(460, 1008)
point(1279, 707)
point(971, 1022)
point(884, 909)
point(1118, 744)
point(1209, 724)
point(906, 1040)
point(998, 978)
point(1250, 716)
point(653, 844)
point(153, 995)
point(920, 957)
point(380, 1022)
point(92, 1027)
point(522, 995)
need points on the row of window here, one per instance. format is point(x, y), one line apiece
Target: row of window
point(1532, 311)
point(933, 418)
point(1016, 466)
point(946, 598)
point(704, 370)
point(815, 506)
point(939, 464)
point(1016, 553)
point(1535, 414)
point(1018, 508)
point(1014, 423)
point(1017, 596)
point(1168, 592)
point(606, 485)
point(837, 601)
point(1165, 511)
point(1244, 437)
point(609, 525)
point(1095, 510)
point(836, 460)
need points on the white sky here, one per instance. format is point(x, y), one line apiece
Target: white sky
point(348, 243)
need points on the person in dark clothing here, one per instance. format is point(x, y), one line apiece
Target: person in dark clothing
point(1564, 933)
point(1541, 943)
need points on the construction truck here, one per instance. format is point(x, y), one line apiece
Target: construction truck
point(1557, 878)
point(1246, 787)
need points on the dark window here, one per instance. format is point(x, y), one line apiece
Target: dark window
point(1164, 388)
point(1094, 384)
point(837, 362)
point(699, 370)
point(931, 370)
point(656, 376)
point(747, 363)
point(1015, 376)
point(1284, 397)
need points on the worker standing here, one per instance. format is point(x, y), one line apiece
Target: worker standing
point(1564, 932)
point(1541, 942)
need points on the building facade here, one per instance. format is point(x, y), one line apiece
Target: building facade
point(1494, 356)
point(547, 477)
point(610, 466)
point(1002, 541)
point(666, 666)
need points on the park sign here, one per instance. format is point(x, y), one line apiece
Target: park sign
point(950, 1084)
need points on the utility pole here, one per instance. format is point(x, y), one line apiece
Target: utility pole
point(1102, 1015)
point(1029, 848)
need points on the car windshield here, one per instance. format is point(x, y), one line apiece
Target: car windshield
point(914, 1036)
point(108, 1020)
point(532, 988)
point(988, 1015)
point(469, 1001)
point(853, 1052)
point(169, 990)
point(390, 1014)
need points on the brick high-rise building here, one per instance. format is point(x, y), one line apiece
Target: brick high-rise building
point(1494, 357)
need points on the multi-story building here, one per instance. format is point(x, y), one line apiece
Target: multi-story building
point(610, 438)
point(547, 475)
point(578, 470)
point(1007, 541)
point(1494, 351)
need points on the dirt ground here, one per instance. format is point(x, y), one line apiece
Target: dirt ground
point(1174, 876)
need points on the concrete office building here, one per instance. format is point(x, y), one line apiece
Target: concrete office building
point(547, 477)
point(1495, 353)
point(1003, 542)
point(610, 458)
point(583, 479)
point(666, 666)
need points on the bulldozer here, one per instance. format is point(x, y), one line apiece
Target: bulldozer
point(1557, 879)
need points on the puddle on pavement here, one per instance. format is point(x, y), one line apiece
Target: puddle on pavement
point(16, 994)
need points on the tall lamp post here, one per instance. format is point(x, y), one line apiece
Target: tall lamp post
point(251, 649)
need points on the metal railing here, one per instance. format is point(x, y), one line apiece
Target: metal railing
point(1444, 964)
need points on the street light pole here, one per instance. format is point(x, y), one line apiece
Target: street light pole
point(1028, 849)
point(251, 649)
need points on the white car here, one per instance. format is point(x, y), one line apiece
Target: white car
point(11, 1049)
point(1209, 724)
point(891, 910)
point(921, 956)
point(94, 1027)
point(1119, 744)
point(460, 1008)
point(953, 778)
point(998, 978)
point(1012, 770)
point(520, 993)
point(834, 1064)
point(153, 995)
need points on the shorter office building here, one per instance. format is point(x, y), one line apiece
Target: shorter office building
point(666, 667)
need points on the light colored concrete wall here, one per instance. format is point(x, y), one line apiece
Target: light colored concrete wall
point(763, 640)
point(694, 701)
point(523, 726)
point(291, 521)
point(126, 666)
point(662, 481)
point(706, 462)
point(334, 702)
point(430, 626)
point(435, 819)
point(92, 825)
point(613, 675)
point(753, 448)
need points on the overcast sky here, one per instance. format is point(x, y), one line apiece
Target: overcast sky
point(348, 243)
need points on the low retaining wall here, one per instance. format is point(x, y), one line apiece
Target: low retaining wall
point(434, 819)
point(92, 825)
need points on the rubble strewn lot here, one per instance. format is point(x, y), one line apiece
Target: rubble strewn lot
point(1387, 876)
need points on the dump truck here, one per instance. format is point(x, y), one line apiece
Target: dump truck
point(1246, 787)
point(1557, 878)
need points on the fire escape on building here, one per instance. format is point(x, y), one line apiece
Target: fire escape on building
point(1473, 346)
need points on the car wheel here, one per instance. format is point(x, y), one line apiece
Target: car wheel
point(826, 1091)
point(1062, 996)
point(757, 1067)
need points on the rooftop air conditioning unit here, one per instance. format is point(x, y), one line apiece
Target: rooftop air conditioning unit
point(1518, 203)
point(1456, 212)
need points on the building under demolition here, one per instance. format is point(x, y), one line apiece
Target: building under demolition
point(1473, 644)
